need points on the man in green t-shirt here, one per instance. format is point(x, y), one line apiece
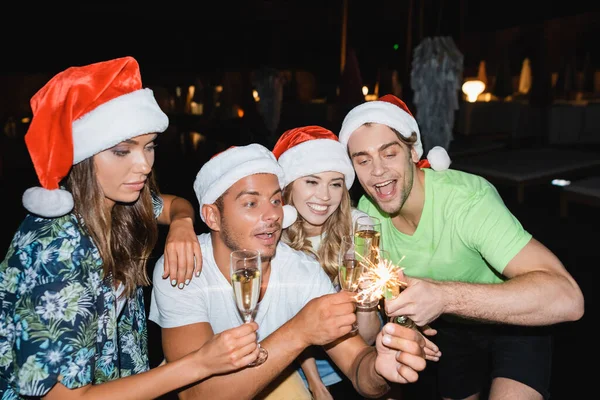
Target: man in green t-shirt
point(467, 259)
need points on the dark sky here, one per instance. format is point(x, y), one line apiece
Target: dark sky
point(169, 37)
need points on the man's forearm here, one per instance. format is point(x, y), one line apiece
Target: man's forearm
point(534, 299)
point(284, 346)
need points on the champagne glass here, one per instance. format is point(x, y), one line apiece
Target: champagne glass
point(393, 292)
point(350, 268)
point(367, 237)
point(246, 277)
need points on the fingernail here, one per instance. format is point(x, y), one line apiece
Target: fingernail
point(386, 339)
point(181, 285)
point(173, 282)
point(187, 282)
point(197, 273)
point(389, 328)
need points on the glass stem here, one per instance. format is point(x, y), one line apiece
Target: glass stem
point(247, 317)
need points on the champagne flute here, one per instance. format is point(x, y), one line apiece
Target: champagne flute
point(367, 236)
point(246, 277)
point(393, 292)
point(350, 268)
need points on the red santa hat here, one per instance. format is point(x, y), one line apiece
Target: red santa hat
point(393, 112)
point(311, 150)
point(226, 168)
point(80, 112)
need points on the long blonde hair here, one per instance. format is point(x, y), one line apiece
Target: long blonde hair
point(125, 238)
point(337, 225)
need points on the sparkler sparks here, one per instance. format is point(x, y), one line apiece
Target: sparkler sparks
point(379, 279)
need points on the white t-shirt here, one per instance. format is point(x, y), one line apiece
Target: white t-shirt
point(295, 279)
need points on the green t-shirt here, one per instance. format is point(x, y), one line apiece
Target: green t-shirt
point(465, 234)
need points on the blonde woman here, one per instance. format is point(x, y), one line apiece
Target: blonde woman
point(318, 175)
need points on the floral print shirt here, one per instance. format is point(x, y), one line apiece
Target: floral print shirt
point(58, 313)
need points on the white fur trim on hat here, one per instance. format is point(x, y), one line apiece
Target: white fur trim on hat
point(438, 158)
point(47, 203)
point(316, 156)
point(124, 117)
point(222, 171)
point(290, 214)
point(381, 112)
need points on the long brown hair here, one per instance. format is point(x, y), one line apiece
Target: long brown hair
point(337, 225)
point(125, 237)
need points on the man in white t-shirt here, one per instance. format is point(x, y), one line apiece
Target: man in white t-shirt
point(239, 193)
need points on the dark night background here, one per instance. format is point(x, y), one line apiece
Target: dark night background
point(177, 43)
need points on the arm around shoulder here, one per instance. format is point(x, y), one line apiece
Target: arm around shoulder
point(183, 255)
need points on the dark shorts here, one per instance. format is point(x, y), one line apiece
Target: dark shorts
point(473, 354)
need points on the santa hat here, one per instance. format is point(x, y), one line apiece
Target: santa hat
point(311, 150)
point(80, 112)
point(391, 111)
point(226, 168)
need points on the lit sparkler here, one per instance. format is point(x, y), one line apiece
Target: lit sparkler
point(379, 279)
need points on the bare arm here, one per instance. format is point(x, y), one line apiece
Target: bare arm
point(182, 252)
point(176, 208)
point(228, 351)
point(368, 323)
point(539, 291)
point(315, 384)
point(282, 348)
point(322, 320)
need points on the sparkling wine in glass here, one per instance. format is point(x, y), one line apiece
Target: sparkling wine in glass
point(349, 274)
point(367, 237)
point(391, 293)
point(246, 277)
point(350, 268)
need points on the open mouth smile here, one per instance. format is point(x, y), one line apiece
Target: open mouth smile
point(317, 208)
point(386, 188)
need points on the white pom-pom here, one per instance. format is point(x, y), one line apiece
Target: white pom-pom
point(438, 158)
point(47, 203)
point(290, 214)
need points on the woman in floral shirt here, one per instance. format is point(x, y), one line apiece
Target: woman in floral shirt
point(72, 316)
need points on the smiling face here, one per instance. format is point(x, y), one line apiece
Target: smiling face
point(384, 165)
point(123, 169)
point(317, 197)
point(251, 214)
